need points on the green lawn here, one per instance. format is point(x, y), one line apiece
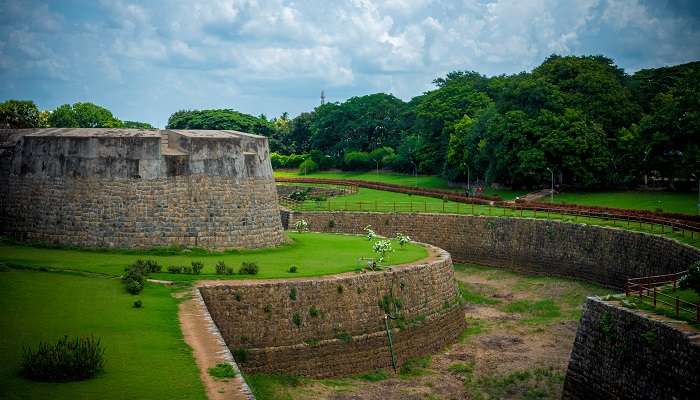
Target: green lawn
point(421, 181)
point(313, 253)
point(673, 202)
point(146, 357)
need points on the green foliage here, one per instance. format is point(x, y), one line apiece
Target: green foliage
point(308, 166)
point(472, 294)
point(66, 360)
point(374, 376)
point(18, 114)
point(175, 269)
point(296, 319)
point(222, 371)
point(136, 125)
point(218, 119)
point(343, 336)
point(314, 312)
point(293, 293)
point(83, 115)
point(134, 287)
point(691, 280)
point(293, 269)
point(198, 266)
point(414, 367)
point(220, 268)
point(356, 161)
point(241, 355)
point(138, 304)
point(249, 268)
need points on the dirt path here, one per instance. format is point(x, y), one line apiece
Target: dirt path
point(209, 349)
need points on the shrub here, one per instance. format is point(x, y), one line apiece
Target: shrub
point(229, 271)
point(300, 195)
point(152, 266)
point(343, 336)
point(314, 312)
point(66, 360)
point(691, 280)
point(187, 270)
point(382, 247)
point(294, 160)
point(240, 355)
point(402, 239)
point(175, 269)
point(357, 160)
point(249, 268)
point(293, 294)
point(197, 267)
point(296, 318)
point(293, 269)
point(371, 235)
point(220, 268)
point(222, 371)
point(134, 287)
point(301, 226)
point(267, 308)
point(138, 304)
point(308, 166)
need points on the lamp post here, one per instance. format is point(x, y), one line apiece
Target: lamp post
point(552, 189)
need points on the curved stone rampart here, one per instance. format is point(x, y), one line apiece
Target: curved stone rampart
point(606, 256)
point(130, 188)
point(333, 326)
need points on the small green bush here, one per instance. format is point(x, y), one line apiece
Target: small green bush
point(267, 308)
point(293, 269)
point(138, 304)
point(66, 360)
point(220, 268)
point(152, 266)
point(134, 287)
point(296, 318)
point(237, 296)
point(293, 294)
point(308, 166)
point(240, 355)
point(249, 268)
point(314, 312)
point(187, 270)
point(343, 336)
point(197, 267)
point(691, 280)
point(222, 371)
point(229, 271)
point(175, 269)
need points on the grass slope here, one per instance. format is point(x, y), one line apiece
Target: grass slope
point(313, 253)
point(146, 357)
point(422, 181)
point(672, 202)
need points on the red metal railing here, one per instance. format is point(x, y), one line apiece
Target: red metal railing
point(647, 287)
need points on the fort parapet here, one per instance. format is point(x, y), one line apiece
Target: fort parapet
point(134, 188)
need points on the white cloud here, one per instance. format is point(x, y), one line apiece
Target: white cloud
point(195, 53)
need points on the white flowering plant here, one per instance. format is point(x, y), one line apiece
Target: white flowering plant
point(402, 239)
point(371, 234)
point(382, 247)
point(301, 226)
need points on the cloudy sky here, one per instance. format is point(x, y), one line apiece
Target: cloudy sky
point(145, 60)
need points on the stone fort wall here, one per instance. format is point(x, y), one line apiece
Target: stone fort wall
point(622, 354)
point(596, 254)
point(333, 326)
point(138, 189)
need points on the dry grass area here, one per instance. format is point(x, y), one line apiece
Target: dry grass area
point(516, 346)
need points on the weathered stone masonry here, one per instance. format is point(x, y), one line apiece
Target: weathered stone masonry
point(130, 188)
point(347, 335)
point(602, 255)
point(622, 354)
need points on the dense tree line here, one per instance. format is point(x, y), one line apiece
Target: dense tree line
point(25, 114)
point(583, 118)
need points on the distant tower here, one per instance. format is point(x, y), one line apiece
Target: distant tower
point(323, 98)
